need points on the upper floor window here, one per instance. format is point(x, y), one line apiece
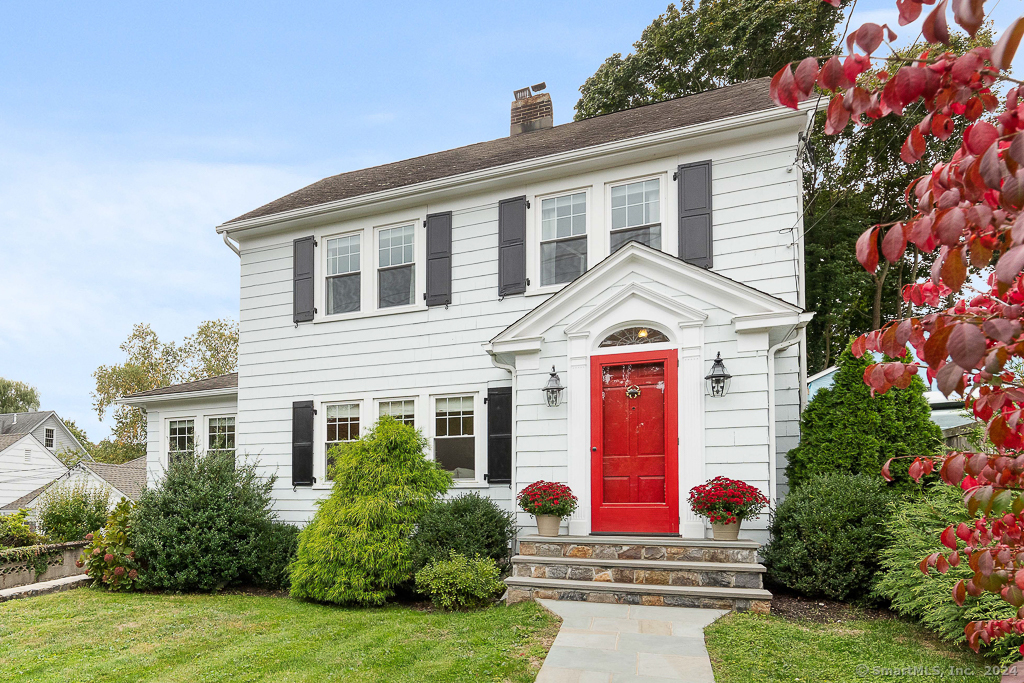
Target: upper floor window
point(454, 440)
point(563, 245)
point(343, 286)
point(48, 437)
point(636, 214)
point(221, 436)
point(181, 435)
point(404, 411)
point(396, 278)
point(342, 426)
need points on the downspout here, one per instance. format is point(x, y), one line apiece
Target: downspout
point(231, 245)
point(772, 447)
point(515, 382)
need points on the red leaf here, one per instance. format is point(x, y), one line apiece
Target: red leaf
point(948, 538)
point(969, 14)
point(965, 67)
point(991, 168)
point(916, 470)
point(966, 345)
point(832, 77)
point(1002, 53)
point(1002, 329)
point(913, 148)
point(910, 83)
point(868, 37)
point(959, 592)
point(1012, 196)
point(886, 474)
point(942, 126)
point(1010, 264)
point(837, 116)
point(935, 29)
point(806, 72)
point(986, 565)
point(894, 244)
point(782, 88)
point(954, 271)
point(979, 137)
point(949, 378)
point(910, 10)
point(942, 565)
point(950, 226)
point(867, 249)
point(854, 66)
point(1018, 578)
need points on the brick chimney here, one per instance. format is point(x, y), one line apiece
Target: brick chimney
point(531, 112)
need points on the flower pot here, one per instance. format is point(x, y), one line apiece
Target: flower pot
point(548, 525)
point(726, 532)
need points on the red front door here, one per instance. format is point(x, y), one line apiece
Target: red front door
point(634, 447)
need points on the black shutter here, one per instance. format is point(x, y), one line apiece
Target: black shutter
point(302, 443)
point(512, 246)
point(302, 280)
point(695, 242)
point(499, 435)
point(439, 259)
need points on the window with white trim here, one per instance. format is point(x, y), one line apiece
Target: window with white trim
point(342, 426)
point(181, 437)
point(48, 437)
point(396, 276)
point(636, 214)
point(343, 274)
point(563, 238)
point(454, 436)
point(221, 435)
point(403, 410)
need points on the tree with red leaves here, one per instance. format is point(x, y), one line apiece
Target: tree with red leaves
point(968, 212)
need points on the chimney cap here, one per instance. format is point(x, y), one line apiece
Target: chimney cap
point(537, 88)
point(523, 93)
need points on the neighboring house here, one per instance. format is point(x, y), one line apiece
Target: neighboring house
point(48, 429)
point(25, 465)
point(122, 481)
point(625, 251)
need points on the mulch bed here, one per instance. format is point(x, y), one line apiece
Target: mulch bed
point(821, 610)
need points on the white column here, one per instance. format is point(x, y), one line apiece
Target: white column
point(578, 390)
point(691, 426)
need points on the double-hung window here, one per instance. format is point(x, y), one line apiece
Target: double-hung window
point(181, 438)
point(636, 214)
point(221, 436)
point(48, 437)
point(454, 440)
point(563, 239)
point(396, 277)
point(404, 411)
point(342, 426)
point(343, 286)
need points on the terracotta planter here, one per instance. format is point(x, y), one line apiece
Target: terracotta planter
point(548, 525)
point(726, 532)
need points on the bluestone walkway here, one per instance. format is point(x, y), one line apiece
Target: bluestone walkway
point(602, 643)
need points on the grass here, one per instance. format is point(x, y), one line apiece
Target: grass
point(750, 648)
point(91, 635)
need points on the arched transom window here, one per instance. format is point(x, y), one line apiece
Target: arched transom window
point(635, 335)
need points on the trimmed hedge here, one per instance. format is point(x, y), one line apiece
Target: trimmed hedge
point(470, 525)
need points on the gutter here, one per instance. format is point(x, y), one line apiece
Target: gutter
point(158, 398)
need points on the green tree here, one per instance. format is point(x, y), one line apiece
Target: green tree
point(698, 47)
point(150, 364)
point(357, 548)
point(845, 429)
point(17, 397)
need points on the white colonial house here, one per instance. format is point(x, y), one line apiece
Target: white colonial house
point(617, 256)
point(29, 445)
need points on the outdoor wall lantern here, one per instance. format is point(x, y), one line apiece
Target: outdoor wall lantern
point(718, 379)
point(553, 389)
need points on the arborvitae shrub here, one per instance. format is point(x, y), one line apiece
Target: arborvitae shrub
point(357, 548)
point(209, 524)
point(470, 525)
point(826, 536)
point(845, 429)
point(69, 511)
point(911, 535)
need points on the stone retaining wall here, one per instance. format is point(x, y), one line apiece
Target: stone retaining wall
point(17, 565)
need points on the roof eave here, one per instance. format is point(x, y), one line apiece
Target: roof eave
point(176, 396)
point(769, 115)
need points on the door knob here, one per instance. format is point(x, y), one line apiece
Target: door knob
point(594, 448)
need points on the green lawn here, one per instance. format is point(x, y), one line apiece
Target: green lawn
point(749, 648)
point(90, 635)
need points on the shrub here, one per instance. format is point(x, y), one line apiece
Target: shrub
point(67, 512)
point(547, 498)
point(459, 582)
point(357, 547)
point(109, 558)
point(208, 524)
point(274, 552)
point(826, 536)
point(845, 429)
point(725, 501)
point(469, 524)
point(15, 532)
point(912, 535)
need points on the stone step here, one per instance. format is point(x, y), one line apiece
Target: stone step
point(521, 588)
point(647, 572)
point(653, 548)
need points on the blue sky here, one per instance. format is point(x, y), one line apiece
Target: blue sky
point(129, 130)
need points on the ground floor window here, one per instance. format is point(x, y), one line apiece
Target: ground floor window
point(342, 426)
point(221, 437)
point(181, 437)
point(454, 436)
point(404, 411)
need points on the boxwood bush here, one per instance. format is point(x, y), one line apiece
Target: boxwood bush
point(209, 524)
point(826, 536)
point(911, 535)
point(357, 548)
point(469, 524)
point(458, 582)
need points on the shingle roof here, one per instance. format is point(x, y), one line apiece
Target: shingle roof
point(129, 478)
point(7, 440)
point(228, 381)
point(25, 423)
point(19, 503)
point(733, 100)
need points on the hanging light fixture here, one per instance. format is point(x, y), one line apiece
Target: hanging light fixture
point(718, 379)
point(553, 389)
